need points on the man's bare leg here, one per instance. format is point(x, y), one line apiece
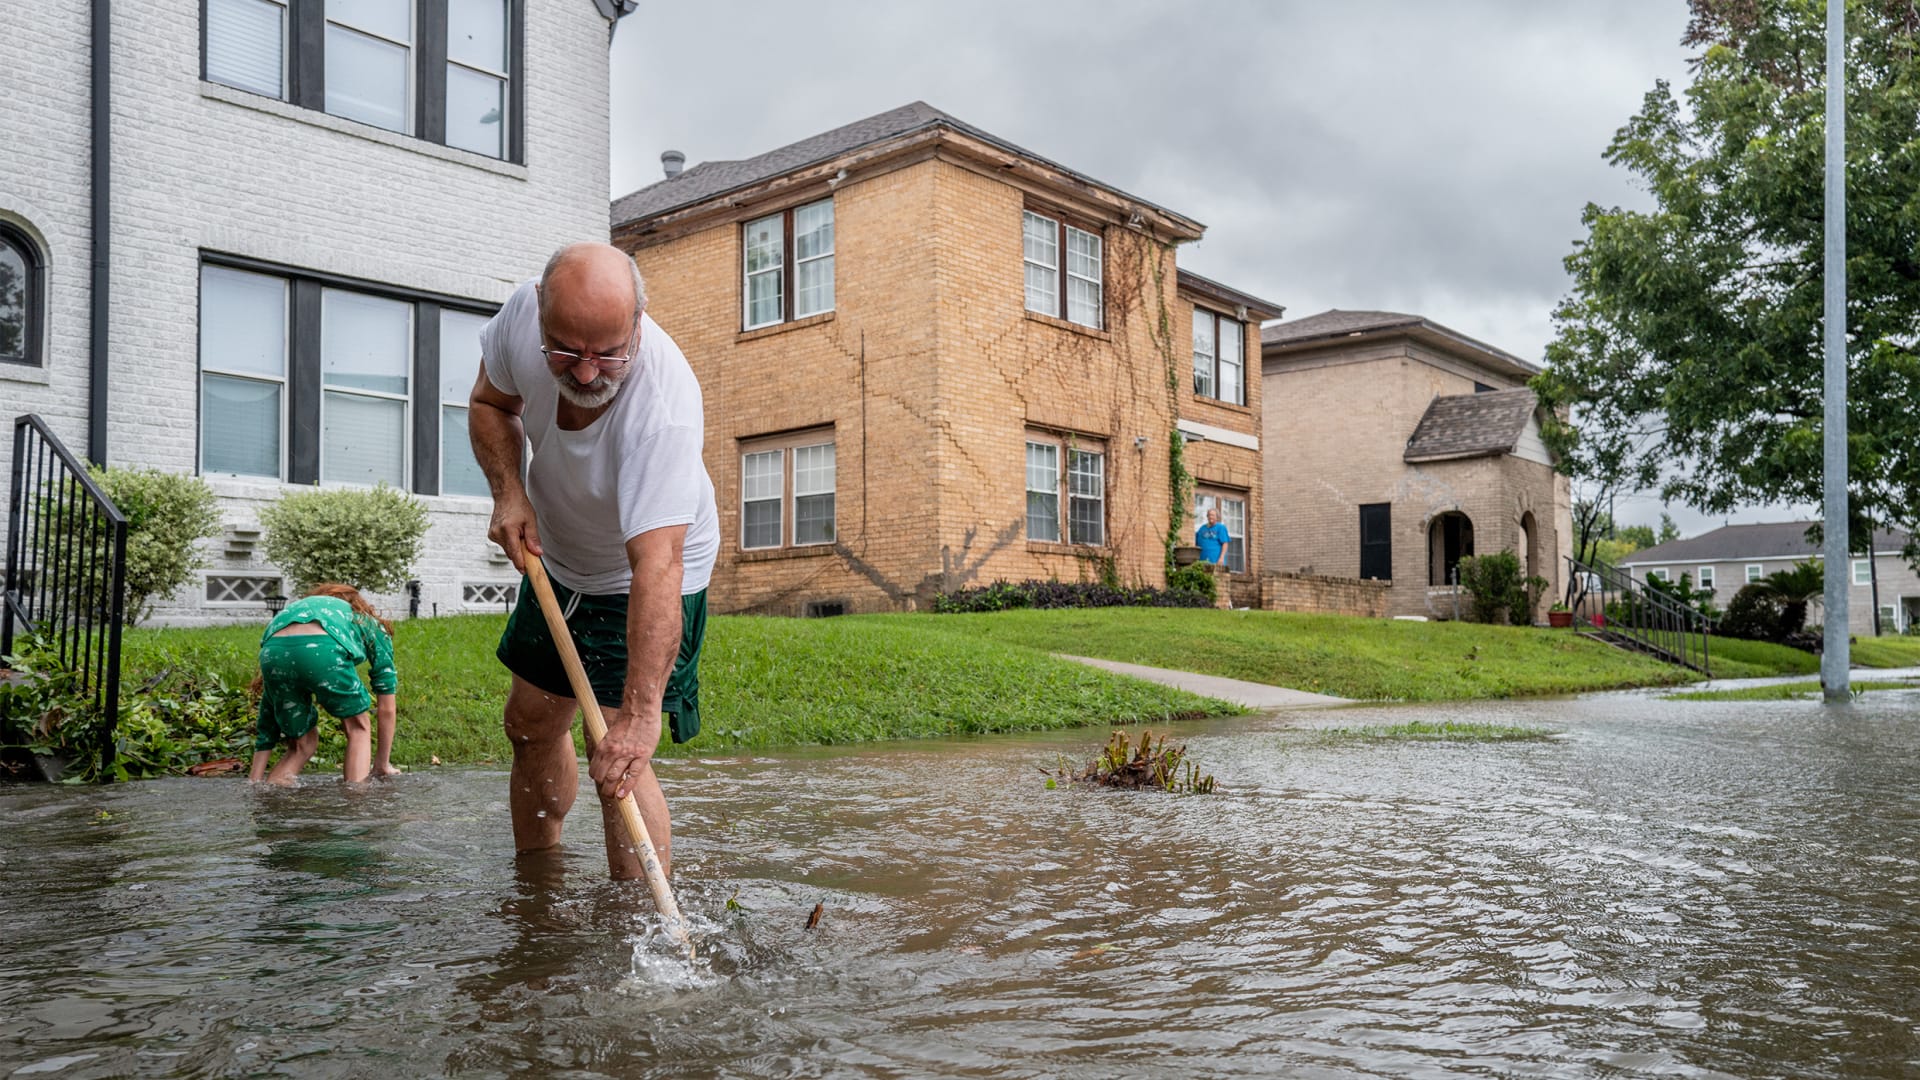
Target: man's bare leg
point(354, 766)
point(546, 771)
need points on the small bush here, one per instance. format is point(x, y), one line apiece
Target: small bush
point(1033, 593)
point(1498, 590)
point(167, 515)
point(1756, 613)
point(365, 538)
point(1194, 578)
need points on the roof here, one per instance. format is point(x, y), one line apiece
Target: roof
point(1257, 309)
point(710, 179)
point(1769, 540)
point(1470, 425)
point(1335, 324)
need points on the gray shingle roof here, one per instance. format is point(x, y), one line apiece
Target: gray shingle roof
point(711, 178)
point(1466, 425)
point(1335, 323)
point(1768, 540)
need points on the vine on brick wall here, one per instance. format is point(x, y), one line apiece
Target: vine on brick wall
point(1180, 485)
point(1179, 480)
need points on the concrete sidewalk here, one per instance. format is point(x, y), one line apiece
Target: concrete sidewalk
point(1251, 694)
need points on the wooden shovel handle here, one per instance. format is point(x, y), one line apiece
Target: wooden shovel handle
point(596, 731)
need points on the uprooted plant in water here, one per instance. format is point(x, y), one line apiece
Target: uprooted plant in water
point(1150, 763)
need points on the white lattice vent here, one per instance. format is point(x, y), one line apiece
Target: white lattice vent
point(240, 588)
point(489, 594)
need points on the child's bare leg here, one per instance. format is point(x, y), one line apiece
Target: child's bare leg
point(359, 748)
point(258, 773)
point(383, 725)
point(299, 751)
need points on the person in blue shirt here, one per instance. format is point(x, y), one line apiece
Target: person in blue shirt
point(1213, 538)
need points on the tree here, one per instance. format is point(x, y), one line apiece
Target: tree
point(1689, 350)
point(1796, 587)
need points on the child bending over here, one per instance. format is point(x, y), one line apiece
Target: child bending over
point(312, 652)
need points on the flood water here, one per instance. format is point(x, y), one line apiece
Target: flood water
point(1666, 889)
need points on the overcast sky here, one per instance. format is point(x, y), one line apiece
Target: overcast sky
point(1403, 156)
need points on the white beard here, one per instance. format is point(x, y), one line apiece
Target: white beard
point(591, 396)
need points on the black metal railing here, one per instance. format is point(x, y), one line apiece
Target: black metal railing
point(66, 566)
point(1606, 600)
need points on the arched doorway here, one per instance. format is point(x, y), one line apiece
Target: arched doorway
point(1449, 539)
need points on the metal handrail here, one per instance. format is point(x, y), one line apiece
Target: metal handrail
point(66, 566)
point(1653, 621)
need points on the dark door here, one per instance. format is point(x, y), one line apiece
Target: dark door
point(1376, 541)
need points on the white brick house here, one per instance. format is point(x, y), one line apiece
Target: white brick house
point(310, 207)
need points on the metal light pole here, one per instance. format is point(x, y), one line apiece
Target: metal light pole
point(1835, 658)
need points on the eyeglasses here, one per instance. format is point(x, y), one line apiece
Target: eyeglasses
point(568, 358)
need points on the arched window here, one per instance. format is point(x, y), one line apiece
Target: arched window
point(21, 271)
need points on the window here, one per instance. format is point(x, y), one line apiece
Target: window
point(1042, 241)
point(1862, 572)
point(1889, 619)
point(1753, 572)
point(801, 238)
point(243, 372)
point(1233, 514)
point(802, 464)
point(21, 283)
point(1659, 572)
point(1376, 541)
point(311, 378)
point(1706, 577)
point(1081, 486)
point(1219, 357)
point(443, 70)
point(459, 367)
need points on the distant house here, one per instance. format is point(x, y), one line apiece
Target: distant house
point(1395, 447)
point(262, 254)
point(932, 358)
point(1734, 555)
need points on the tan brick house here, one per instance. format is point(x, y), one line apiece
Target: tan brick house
point(933, 359)
point(1395, 447)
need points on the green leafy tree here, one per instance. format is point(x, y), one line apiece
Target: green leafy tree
point(1795, 588)
point(1689, 351)
point(167, 515)
point(367, 538)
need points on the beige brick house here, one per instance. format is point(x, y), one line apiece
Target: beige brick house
point(1395, 447)
point(932, 359)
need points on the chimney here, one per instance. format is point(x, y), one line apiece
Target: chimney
point(672, 161)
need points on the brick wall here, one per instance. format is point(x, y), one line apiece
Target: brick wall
point(1282, 591)
point(199, 166)
point(929, 373)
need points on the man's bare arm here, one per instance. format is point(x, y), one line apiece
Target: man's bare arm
point(653, 645)
point(498, 438)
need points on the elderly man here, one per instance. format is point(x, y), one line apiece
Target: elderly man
point(1212, 538)
point(618, 504)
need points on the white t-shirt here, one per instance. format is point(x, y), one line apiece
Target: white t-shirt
point(636, 468)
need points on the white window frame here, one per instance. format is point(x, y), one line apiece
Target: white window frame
point(788, 448)
point(284, 380)
point(1862, 572)
point(505, 79)
point(1207, 497)
point(786, 271)
point(1063, 232)
point(1661, 573)
point(1704, 578)
point(285, 41)
point(465, 405)
point(1217, 357)
point(276, 585)
point(1209, 322)
point(1063, 448)
point(1052, 446)
point(1099, 498)
point(409, 105)
point(405, 400)
point(1754, 572)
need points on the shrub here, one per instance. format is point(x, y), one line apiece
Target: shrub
point(167, 514)
point(1033, 593)
point(1497, 589)
point(1194, 578)
point(1682, 593)
point(364, 538)
point(1756, 613)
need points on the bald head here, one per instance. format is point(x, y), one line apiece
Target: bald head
point(589, 295)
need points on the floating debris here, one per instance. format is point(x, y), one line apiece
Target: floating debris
point(1150, 764)
point(819, 909)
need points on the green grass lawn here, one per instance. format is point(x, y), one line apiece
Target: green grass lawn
point(764, 683)
point(1373, 659)
point(1783, 691)
point(1887, 652)
point(1731, 658)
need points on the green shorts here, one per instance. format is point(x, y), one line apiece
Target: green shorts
point(599, 626)
point(297, 670)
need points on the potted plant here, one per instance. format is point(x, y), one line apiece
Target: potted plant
point(1559, 616)
point(1185, 555)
